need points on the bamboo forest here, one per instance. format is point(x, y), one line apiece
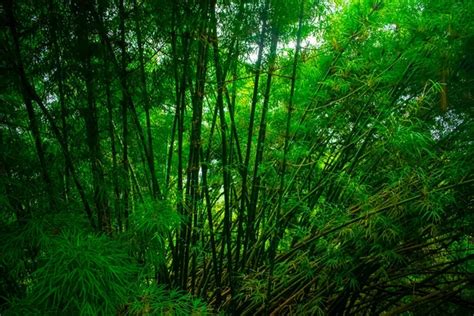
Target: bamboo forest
point(237, 157)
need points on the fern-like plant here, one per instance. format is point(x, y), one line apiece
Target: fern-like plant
point(156, 300)
point(80, 274)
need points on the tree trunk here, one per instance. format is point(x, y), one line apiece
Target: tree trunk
point(32, 95)
point(90, 115)
point(245, 170)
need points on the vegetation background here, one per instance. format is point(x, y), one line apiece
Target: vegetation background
point(190, 157)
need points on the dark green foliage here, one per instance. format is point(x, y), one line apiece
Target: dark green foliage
point(156, 300)
point(83, 274)
point(238, 157)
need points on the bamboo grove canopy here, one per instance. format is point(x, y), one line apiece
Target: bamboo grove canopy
point(264, 157)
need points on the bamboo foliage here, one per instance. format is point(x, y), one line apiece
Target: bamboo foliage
point(238, 157)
